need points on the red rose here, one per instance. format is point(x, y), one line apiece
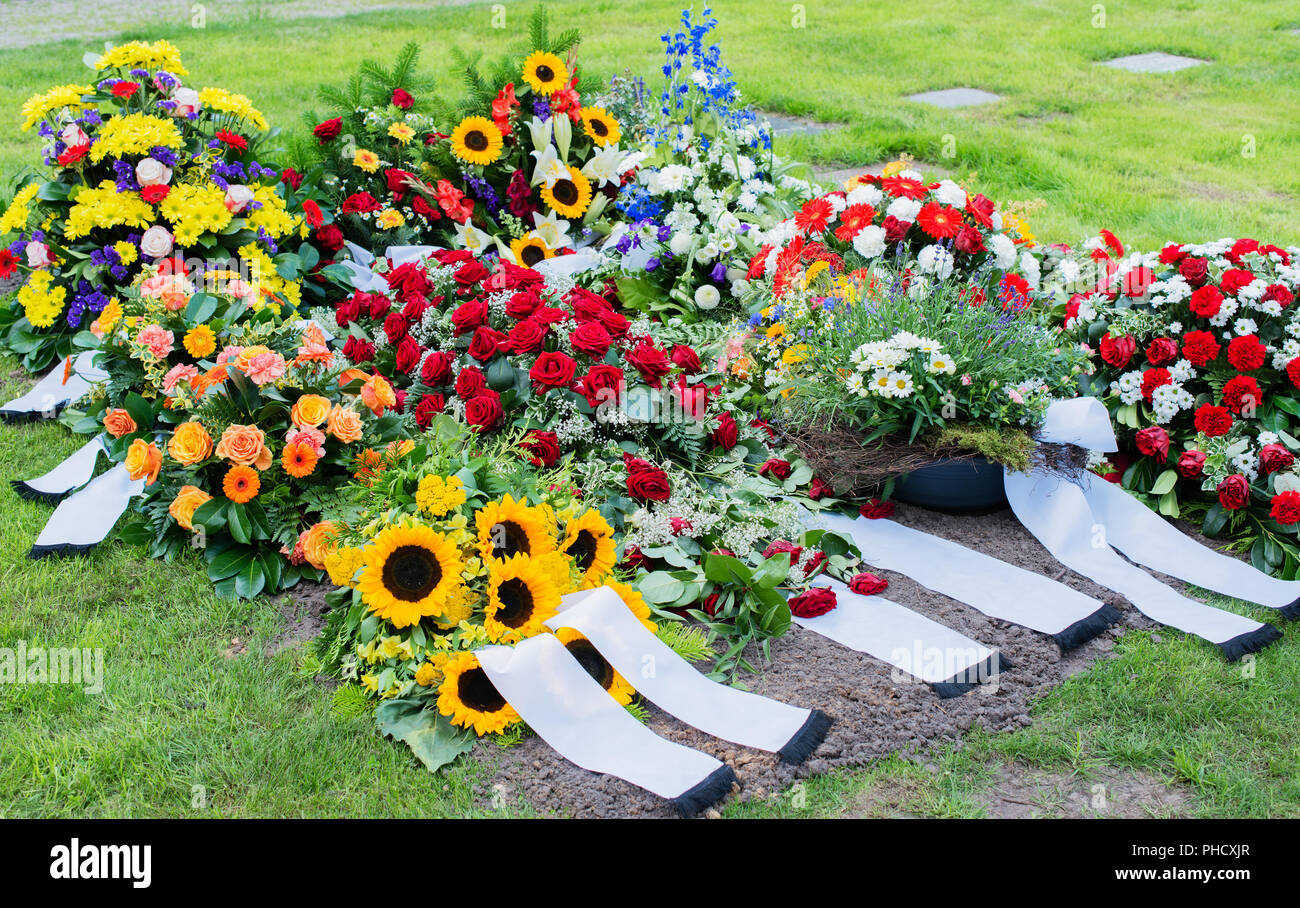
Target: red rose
point(553, 370)
point(784, 547)
point(360, 203)
point(414, 310)
point(602, 385)
point(430, 405)
point(1194, 270)
point(409, 281)
point(710, 604)
point(820, 489)
point(1155, 378)
point(868, 584)
point(395, 327)
point(895, 230)
point(523, 304)
point(592, 339)
point(1191, 464)
point(544, 448)
point(1279, 293)
point(470, 382)
point(1234, 279)
point(1242, 394)
point(1234, 492)
point(525, 337)
point(814, 565)
point(1162, 351)
point(485, 344)
point(329, 130)
point(726, 434)
point(1137, 280)
point(969, 240)
point(686, 359)
point(1246, 353)
point(1274, 457)
point(633, 558)
point(330, 236)
point(347, 310)
point(1153, 441)
point(1206, 302)
point(649, 360)
point(483, 410)
point(421, 207)
point(1213, 421)
point(436, 370)
point(1286, 508)
point(814, 602)
point(777, 467)
point(358, 350)
point(471, 273)
point(586, 305)
point(407, 356)
point(293, 178)
point(1117, 351)
point(875, 509)
point(402, 99)
point(646, 482)
point(1200, 348)
point(681, 526)
point(469, 315)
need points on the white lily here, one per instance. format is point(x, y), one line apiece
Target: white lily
point(605, 166)
point(471, 238)
point(563, 129)
point(553, 231)
point(548, 168)
point(540, 131)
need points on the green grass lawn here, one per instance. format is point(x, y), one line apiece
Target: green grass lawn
point(1154, 157)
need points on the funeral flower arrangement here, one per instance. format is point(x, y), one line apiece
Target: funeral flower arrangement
point(707, 180)
point(141, 168)
point(1197, 356)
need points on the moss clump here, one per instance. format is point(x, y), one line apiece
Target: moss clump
point(1009, 447)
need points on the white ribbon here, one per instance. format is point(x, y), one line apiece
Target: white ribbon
point(84, 518)
point(51, 394)
point(572, 713)
point(363, 277)
point(675, 686)
point(74, 471)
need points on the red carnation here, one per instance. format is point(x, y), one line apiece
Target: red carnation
point(1234, 279)
point(1286, 508)
point(875, 509)
point(868, 584)
point(1117, 351)
point(1212, 421)
point(1280, 294)
point(553, 370)
point(1171, 254)
point(1242, 394)
point(329, 130)
point(1234, 492)
point(292, 177)
point(1155, 378)
point(1200, 347)
point(1246, 353)
point(1153, 441)
point(1206, 301)
point(331, 237)
point(402, 99)
point(814, 602)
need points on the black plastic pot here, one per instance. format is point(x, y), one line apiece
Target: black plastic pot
point(957, 486)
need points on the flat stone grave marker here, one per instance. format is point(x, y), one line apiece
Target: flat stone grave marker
point(1156, 62)
point(785, 125)
point(949, 98)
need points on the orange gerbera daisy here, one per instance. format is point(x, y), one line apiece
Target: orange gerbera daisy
point(241, 484)
point(299, 459)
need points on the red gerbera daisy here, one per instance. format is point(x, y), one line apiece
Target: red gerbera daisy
point(155, 194)
point(125, 89)
point(939, 221)
point(852, 220)
point(904, 187)
point(233, 139)
point(8, 264)
point(814, 215)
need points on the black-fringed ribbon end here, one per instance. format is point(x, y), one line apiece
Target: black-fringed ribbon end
point(27, 493)
point(1085, 629)
point(703, 795)
point(971, 678)
point(811, 734)
point(1250, 642)
point(63, 550)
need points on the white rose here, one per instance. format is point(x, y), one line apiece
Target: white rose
point(152, 172)
point(870, 241)
point(38, 255)
point(187, 102)
point(238, 198)
point(936, 260)
point(680, 243)
point(73, 135)
point(707, 296)
point(156, 242)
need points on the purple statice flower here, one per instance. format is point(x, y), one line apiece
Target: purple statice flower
point(165, 80)
point(266, 239)
point(126, 181)
point(17, 247)
point(164, 156)
point(541, 108)
point(91, 118)
point(46, 131)
point(141, 74)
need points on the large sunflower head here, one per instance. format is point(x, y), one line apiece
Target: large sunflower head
point(476, 140)
point(530, 249)
point(545, 73)
point(568, 196)
point(586, 655)
point(409, 573)
point(507, 528)
point(521, 595)
point(600, 126)
point(468, 697)
point(589, 541)
point(635, 603)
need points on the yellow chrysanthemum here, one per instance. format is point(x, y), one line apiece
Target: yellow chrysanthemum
point(16, 215)
point(200, 341)
point(104, 207)
point(402, 133)
point(521, 595)
point(599, 126)
point(594, 664)
point(476, 140)
point(271, 216)
point(437, 496)
point(41, 303)
point(544, 72)
point(125, 251)
point(134, 134)
point(568, 196)
point(195, 210)
point(271, 289)
point(469, 699)
point(508, 527)
point(143, 55)
point(530, 249)
point(37, 106)
point(409, 573)
point(233, 104)
point(427, 675)
point(589, 541)
point(389, 219)
point(635, 603)
point(366, 160)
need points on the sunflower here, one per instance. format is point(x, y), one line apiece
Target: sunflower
point(476, 140)
point(594, 664)
point(633, 600)
point(409, 573)
point(507, 528)
point(530, 249)
point(568, 196)
point(521, 595)
point(600, 126)
point(589, 540)
point(469, 698)
point(241, 484)
point(545, 73)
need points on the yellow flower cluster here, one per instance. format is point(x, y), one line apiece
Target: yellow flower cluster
point(15, 218)
point(134, 134)
point(142, 55)
point(267, 280)
point(125, 251)
point(272, 216)
point(194, 211)
point(37, 106)
point(40, 302)
point(231, 103)
point(200, 341)
point(437, 497)
point(104, 206)
point(342, 563)
point(110, 316)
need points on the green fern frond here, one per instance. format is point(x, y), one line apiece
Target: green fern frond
point(686, 640)
point(350, 702)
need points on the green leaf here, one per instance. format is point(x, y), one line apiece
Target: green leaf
point(1164, 482)
point(660, 588)
point(430, 736)
point(201, 307)
point(1215, 520)
point(500, 374)
point(238, 523)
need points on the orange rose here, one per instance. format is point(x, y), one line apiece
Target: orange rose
point(317, 542)
point(351, 375)
point(118, 422)
point(245, 446)
point(344, 424)
point(190, 443)
point(377, 394)
point(186, 502)
point(246, 355)
point(143, 461)
point(310, 410)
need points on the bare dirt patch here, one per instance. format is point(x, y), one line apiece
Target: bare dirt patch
point(302, 616)
point(1021, 792)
